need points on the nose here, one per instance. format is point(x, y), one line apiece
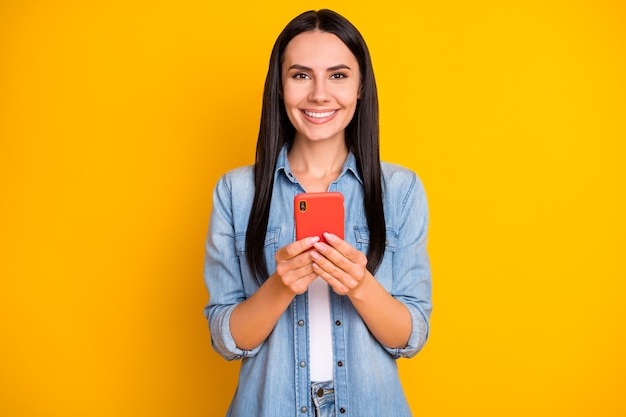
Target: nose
point(319, 92)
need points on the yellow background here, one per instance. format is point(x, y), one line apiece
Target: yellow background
point(117, 118)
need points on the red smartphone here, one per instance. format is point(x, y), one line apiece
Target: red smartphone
point(316, 213)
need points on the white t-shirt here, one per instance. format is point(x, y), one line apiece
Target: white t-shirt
point(320, 332)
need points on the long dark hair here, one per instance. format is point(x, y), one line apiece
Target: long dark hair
point(362, 138)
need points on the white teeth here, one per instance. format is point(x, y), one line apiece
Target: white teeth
point(319, 115)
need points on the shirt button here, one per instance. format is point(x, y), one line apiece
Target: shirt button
point(338, 323)
point(303, 409)
point(300, 323)
point(339, 363)
point(342, 410)
point(302, 364)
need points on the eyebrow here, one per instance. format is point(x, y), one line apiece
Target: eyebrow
point(330, 69)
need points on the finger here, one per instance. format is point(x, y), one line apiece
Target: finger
point(337, 265)
point(296, 273)
point(346, 249)
point(296, 248)
point(323, 265)
point(335, 283)
point(301, 284)
point(322, 250)
point(296, 267)
point(333, 255)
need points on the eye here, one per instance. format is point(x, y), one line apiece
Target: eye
point(338, 76)
point(300, 76)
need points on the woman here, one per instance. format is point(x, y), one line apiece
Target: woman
point(318, 325)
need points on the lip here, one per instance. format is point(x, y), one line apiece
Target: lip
point(319, 116)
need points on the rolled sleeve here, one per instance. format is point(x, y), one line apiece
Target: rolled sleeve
point(221, 337)
point(418, 338)
point(222, 274)
point(411, 268)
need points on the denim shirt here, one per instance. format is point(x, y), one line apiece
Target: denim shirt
point(274, 377)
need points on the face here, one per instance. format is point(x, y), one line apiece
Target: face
point(321, 83)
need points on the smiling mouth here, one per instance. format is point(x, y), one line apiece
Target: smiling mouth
point(319, 115)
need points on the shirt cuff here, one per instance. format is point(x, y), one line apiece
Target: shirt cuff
point(418, 337)
point(222, 339)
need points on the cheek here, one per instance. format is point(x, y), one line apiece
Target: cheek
point(350, 92)
point(349, 97)
point(290, 97)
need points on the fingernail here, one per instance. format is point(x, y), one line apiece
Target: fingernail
point(329, 237)
point(320, 246)
point(311, 240)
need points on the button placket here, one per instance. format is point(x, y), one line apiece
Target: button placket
point(302, 381)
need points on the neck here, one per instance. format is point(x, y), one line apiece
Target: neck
point(317, 164)
point(317, 157)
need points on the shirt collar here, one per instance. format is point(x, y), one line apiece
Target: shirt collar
point(282, 165)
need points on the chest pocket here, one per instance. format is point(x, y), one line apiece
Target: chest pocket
point(384, 274)
point(270, 246)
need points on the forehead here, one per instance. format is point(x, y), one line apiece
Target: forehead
point(317, 47)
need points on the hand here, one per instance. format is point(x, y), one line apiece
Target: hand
point(345, 269)
point(340, 265)
point(253, 319)
point(294, 265)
